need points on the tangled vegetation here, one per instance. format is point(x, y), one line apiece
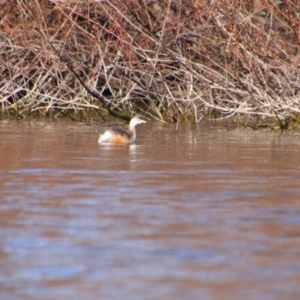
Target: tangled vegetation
point(179, 60)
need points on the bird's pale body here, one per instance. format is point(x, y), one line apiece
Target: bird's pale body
point(119, 136)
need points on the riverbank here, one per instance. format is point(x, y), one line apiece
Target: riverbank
point(176, 62)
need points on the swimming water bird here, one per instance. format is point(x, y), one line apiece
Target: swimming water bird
point(119, 136)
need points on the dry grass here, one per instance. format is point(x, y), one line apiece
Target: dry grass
point(171, 60)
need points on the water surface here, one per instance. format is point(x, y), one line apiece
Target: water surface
point(200, 212)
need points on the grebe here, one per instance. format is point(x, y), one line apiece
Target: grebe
point(119, 136)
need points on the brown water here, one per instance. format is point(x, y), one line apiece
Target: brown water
point(193, 213)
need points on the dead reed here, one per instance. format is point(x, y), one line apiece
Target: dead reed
point(171, 60)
